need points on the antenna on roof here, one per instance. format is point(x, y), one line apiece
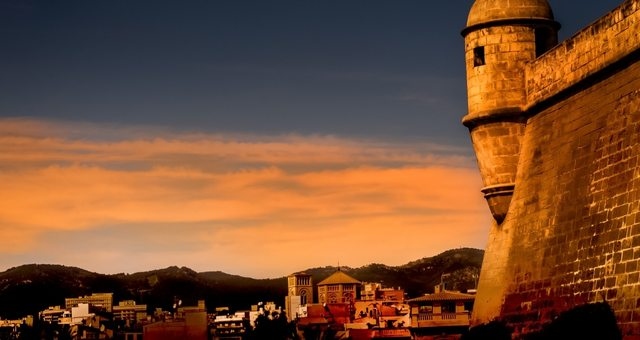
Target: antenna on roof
point(338, 265)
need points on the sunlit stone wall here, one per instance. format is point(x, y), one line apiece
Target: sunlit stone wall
point(572, 233)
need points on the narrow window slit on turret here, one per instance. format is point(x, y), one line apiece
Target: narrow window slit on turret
point(478, 56)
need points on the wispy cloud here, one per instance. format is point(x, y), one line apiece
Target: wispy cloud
point(223, 201)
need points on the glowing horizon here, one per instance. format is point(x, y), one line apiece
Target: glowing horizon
point(112, 199)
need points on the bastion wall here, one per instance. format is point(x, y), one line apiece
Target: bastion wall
point(571, 235)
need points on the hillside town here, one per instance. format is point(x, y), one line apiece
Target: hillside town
point(337, 307)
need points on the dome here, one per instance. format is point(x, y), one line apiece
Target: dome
point(484, 11)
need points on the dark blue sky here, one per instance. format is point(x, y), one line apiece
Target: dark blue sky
point(187, 132)
point(375, 69)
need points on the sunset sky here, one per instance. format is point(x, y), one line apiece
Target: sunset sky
point(258, 138)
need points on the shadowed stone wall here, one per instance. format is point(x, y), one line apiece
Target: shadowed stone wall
point(574, 219)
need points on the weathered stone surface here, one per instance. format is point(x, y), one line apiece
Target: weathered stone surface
point(610, 39)
point(564, 128)
point(575, 212)
point(491, 10)
point(496, 55)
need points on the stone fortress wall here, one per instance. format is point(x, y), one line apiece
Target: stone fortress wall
point(610, 39)
point(571, 233)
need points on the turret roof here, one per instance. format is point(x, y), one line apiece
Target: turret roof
point(484, 11)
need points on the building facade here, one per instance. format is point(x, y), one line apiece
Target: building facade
point(188, 322)
point(102, 301)
point(556, 131)
point(373, 291)
point(299, 293)
point(301, 284)
point(338, 288)
point(230, 327)
point(442, 315)
point(130, 312)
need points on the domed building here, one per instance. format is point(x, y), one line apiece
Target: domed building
point(338, 288)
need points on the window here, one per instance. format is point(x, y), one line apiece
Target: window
point(448, 307)
point(478, 56)
point(426, 309)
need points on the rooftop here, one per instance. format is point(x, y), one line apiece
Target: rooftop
point(338, 277)
point(484, 11)
point(444, 296)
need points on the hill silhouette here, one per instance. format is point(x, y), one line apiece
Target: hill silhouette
point(31, 288)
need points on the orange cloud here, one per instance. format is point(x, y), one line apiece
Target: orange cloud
point(292, 197)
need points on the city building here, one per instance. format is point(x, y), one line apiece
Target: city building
point(130, 312)
point(336, 297)
point(102, 301)
point(375, 292)
point(186, 323)
point(380, 313)
point(323, 319)
point(230, 327)
point(27, 321)
point(347, 308)
point(441, 315)
point(338, 288)
point(80, 313)
point(96, 325)
point(56, 314)
point(555, 128)
point(300, 293)
point(380, 334)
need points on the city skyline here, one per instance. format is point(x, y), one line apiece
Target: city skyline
point(219, 135)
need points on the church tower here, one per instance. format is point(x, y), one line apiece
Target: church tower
point(301, 284)
point(500, 38)
point(300, 293)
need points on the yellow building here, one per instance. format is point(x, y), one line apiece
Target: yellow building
point(55, 314)
point(230, 327)
point(300, 293)
point(444, 312)
point(97, 300)
point(338, 288)
point(129, 311)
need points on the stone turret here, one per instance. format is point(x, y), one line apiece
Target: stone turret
point(500, 38)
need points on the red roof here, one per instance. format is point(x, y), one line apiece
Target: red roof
point(444, 296)
point(312, 321)
point(315, 311)
point(388, 311)
point(318, 314)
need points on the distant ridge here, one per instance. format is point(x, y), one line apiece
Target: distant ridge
point(30, 288)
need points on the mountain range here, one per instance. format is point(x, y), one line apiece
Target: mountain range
point(31, 288)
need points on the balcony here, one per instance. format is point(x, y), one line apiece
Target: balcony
point(440, 319)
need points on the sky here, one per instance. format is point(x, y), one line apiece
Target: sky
point(258, 138)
